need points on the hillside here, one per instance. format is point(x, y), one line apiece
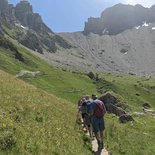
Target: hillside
point(60, 82)
point(35, 108)
point(35, 122)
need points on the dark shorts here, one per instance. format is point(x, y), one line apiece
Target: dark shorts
point(98, 124)
point(87, 120)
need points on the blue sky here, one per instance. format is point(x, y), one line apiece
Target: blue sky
point(70, 15)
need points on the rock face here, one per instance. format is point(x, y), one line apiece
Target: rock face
point(94, 25)
point(24, 13)
point(28, 28)
point(119, 18)
point(3, 6)
point(22, 10)
point(6, 12)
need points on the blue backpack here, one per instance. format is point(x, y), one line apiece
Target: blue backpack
point(85, 108)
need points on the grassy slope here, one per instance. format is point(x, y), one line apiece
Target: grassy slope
point(120, 138)
point(35, 122)
point(136, 90)
point(64, 84)
point(138, 137)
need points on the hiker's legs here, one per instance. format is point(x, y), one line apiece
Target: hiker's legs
point(97, 136)
point(88, 124)
point(101, 128)
point(90, 130)
point(95, 125)
point(85, 126)
point(101, 136)
point(82, 120)
point(98, 127)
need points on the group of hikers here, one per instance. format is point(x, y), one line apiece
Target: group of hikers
point(92, 113)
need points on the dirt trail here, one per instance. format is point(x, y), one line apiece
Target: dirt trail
point(94, 149)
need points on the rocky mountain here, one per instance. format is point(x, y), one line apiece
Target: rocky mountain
point(130, 52)
point(22, 24)
point(122, 40)
point(119, 18)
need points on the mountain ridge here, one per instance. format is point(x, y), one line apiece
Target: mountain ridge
point(119, 18)
point(28, 28)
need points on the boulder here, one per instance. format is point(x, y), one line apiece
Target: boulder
point(91, 75)
point(146, 106)
point(115, 106)
point(125, 118)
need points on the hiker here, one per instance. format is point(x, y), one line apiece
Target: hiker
point(82, 109)
point(97, 111)
point(84, 106)
point(88, 117)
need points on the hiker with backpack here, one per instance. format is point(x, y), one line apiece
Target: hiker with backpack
point(84, 107)
point(88, 118)
point(97, 111)
point(81, 109)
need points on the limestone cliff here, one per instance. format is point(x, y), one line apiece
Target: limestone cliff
point(119, 18)
point(22, 24)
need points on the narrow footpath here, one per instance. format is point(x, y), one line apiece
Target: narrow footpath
point(94, 149)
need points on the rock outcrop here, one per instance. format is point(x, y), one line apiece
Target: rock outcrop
point(7, 45)
point(116, 106)
point(113, 104)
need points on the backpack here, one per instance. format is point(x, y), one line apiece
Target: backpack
point(84, 107)
point(99, 111)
